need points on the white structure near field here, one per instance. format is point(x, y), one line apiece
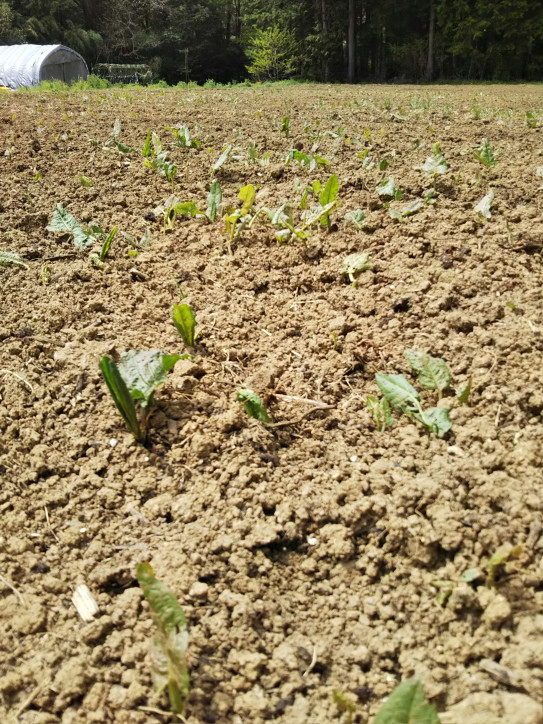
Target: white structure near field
point(23, 65)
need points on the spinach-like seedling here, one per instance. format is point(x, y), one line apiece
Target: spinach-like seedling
point(173, 208)
point(483, 207)
point(387, 189)
point(223, 158)
point(185, 323)
point(328, 196)
point(63, 221)
point(169, 644)
point(485, 154)
point(435, 164)
point(183, 138)
point(214, 200)
point(499, 559)
point(412, 207)
point(407, 705)
point(355, 217)
point(142, 243)
point(135, 380)
point(311, 162)
point(531, 119)
point(433, 373)
point(85, 181)
point(235, 220)
point(284, 128)
point(253, 405)
point(107, 244)
point(11, 257)
point(380, 409)
point(402, 396)
point(355, 264)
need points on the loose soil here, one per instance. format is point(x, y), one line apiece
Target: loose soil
point(304, 553)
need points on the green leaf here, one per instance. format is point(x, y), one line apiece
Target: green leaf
point(435, 419)
point(436, 163)
point(355, 217)
point(328, 195)
point(387, 188)
point(462, 396)
point(168, 652)
point(146, 150)
point(354, 264)
point(432, 372)
point(483, 207)
point(185, 322)
point(380, 409)
point(156, 143)
point(223, 158)
point(123, 148)
point(214, 200)
point(407, 705)
point(499, 559)
point(144, 371)
point(399, 392)
point(121, 396)
point(107, 244)
point(485, 154)
point(470, 575)
point(64, 222)
point(247, 195)
point(253, 405)
point(10, 257)
point(85, 181)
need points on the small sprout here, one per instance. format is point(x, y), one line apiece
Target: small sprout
point(485, 154)
point(168, 648)
point(355, 264)
point(432, 372)
point(185, 323)
point(383, 164)
point(142, 243)
point(64, 222)
point(146, 151)
point(462, 396)
point(344, 705)
point(223, 158)
point(498, 560)
point(435, 164)
point(356, 218)
point(253, 405)
point(44, 274)
point(11, 257)
point(380, 409)
point(183, 138)
point(135, 379)
point(107, 244)
point(85, 181)
point(214, 199)
point(483, 207)
point(328, 196)
point(387, 189)
point(403, 397)
point(284, 128)
point(407, 705)
point(531, 119)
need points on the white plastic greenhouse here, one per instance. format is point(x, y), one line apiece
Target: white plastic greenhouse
point(22, 65)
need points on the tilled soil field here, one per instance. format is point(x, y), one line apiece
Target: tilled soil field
point(306, 552)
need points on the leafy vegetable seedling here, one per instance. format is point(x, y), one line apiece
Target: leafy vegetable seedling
point(214, 200)
point(387, 189)
point(355, 264)
point(169, 644)
point(380, 409)
point(253, 405)
point(11, 257)
point(402, 396)
point(135, 380)
point(355, 217)
point(185, 323)
point(483, 207)
point(432, 372)
point(183, 138)
point(485, 154)
point(285, 126)
point(407, 705)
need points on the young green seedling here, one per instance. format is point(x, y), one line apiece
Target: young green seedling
point(235, 220)
point(214, 200)
point(498, 560)
point(432, 372)
point(183, 138)
point(223, 158)
point(284, 128)
point(311, 162)
point(327, 197)
point(402, 396)
point(485, 154)
point(355, 217)
point(387, 189)
point(354, 264)
point(484, 205)
point(446, 588)
point(407, 705)
point(11, 257)
point(173, 208)
point(252, 404)
point(135, 380)
point(380, 409)
point(169, 644)
point(185, 323)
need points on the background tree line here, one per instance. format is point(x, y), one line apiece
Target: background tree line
point(324, 40)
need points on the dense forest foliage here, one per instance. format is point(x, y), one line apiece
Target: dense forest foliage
point(325, 40)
